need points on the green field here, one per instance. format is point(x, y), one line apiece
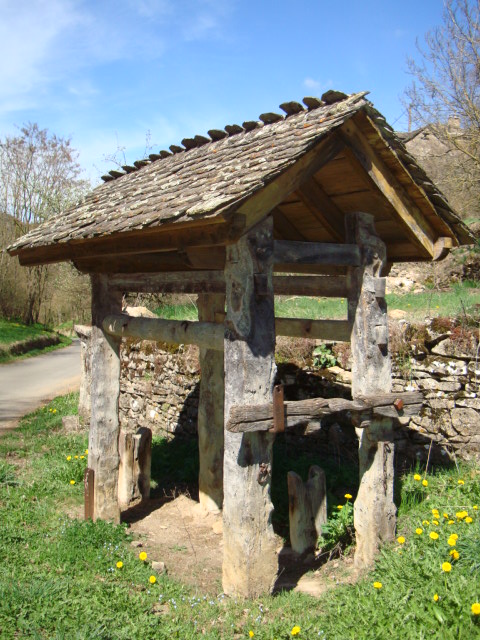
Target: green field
point(461, 299)
point(16, 331)
point(59, 576)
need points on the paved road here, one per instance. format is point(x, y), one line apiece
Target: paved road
point(27, 384)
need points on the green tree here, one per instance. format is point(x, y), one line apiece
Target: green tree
point(39, 177)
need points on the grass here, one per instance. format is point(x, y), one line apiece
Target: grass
point(11, 332)
point(59, 576)
point(461, 298)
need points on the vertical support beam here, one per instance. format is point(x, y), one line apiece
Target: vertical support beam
point(104, 425)
point(210, 411)
point(250, 561)
point(374, 509)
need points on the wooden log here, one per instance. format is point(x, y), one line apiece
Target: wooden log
point(374, 509)
point(206, 334)
point(103, 455)
point(337, 330)
point(214, 282)
point(135, 450)
point(307, 508)
point(294, 252)
point(246, 418)
point(249, 544)
point(84, 332)
point(210, 412)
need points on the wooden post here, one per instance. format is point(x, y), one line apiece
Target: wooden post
point(374, 509)
point(104, 425)
point(210, 412)
point(307, 508)
point(249, 546)
point(135, 451)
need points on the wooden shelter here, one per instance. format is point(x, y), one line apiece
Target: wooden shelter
point(326, 194)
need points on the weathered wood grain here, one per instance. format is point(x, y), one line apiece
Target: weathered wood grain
point(210, 411)
point(206, 334)
point(293, 252)
point(103, 455)
point(249, 545)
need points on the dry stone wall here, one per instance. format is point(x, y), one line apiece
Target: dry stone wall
point(160, 387)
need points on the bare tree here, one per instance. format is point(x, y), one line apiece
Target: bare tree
point(39, 177)
point(445, 93)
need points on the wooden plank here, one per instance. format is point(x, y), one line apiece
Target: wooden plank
point(416, 224)
point(245, 418)
point(206, 334)
point(292, 252)
point(263, 201)
point(214, 282)
point(337, 330)
point(88, 484)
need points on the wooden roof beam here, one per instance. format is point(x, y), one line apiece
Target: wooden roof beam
point(417, 227)
point(324, 210)
point(258, 205)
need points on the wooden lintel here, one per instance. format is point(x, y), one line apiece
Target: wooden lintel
point(214, 282)
point(359, 150)
point(335, 330)
point(263, 201)
point(245, 418)
point(205, 334)
point(293, 252)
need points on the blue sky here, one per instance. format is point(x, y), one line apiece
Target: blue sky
point(107, 72)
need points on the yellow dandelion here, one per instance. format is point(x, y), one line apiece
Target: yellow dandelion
point(54, 411)
point(340, 506)
point(455, 554)
point(445, 515)
point(72, 481)
point(461, 482)
point(433, 535)
point(475, 506)
point(86, 452)
point(69, 458)
point(295, 630)
point(435, 522)
point(435, 512)
point(436, 597)
point(82, 457)
point(454, 536)
point(76, 457)
point(348, 496)
point(152, 579)
point(468, 519)
point(426, 522)
point(460, 515)
point(417, 477)
point(250, 634)
point(419, 531)
point(447, 567)
point(377, 585)
point(451, 542)
point(119, 564)
point(142, 556)
point(401, 540)
point(425, 483)
point(476, 608)
point(451, 522)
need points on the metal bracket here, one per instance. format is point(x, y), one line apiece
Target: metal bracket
point(278, 410)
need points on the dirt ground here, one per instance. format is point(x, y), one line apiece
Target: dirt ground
point(188, 540)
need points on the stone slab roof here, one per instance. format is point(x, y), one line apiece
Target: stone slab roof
point(209, 178)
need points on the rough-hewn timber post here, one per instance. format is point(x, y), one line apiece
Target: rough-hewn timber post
point(374, 510)
point(210, 411)
point(104, 426)
point(249, 554)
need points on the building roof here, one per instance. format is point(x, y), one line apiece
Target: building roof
point(309, 168)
